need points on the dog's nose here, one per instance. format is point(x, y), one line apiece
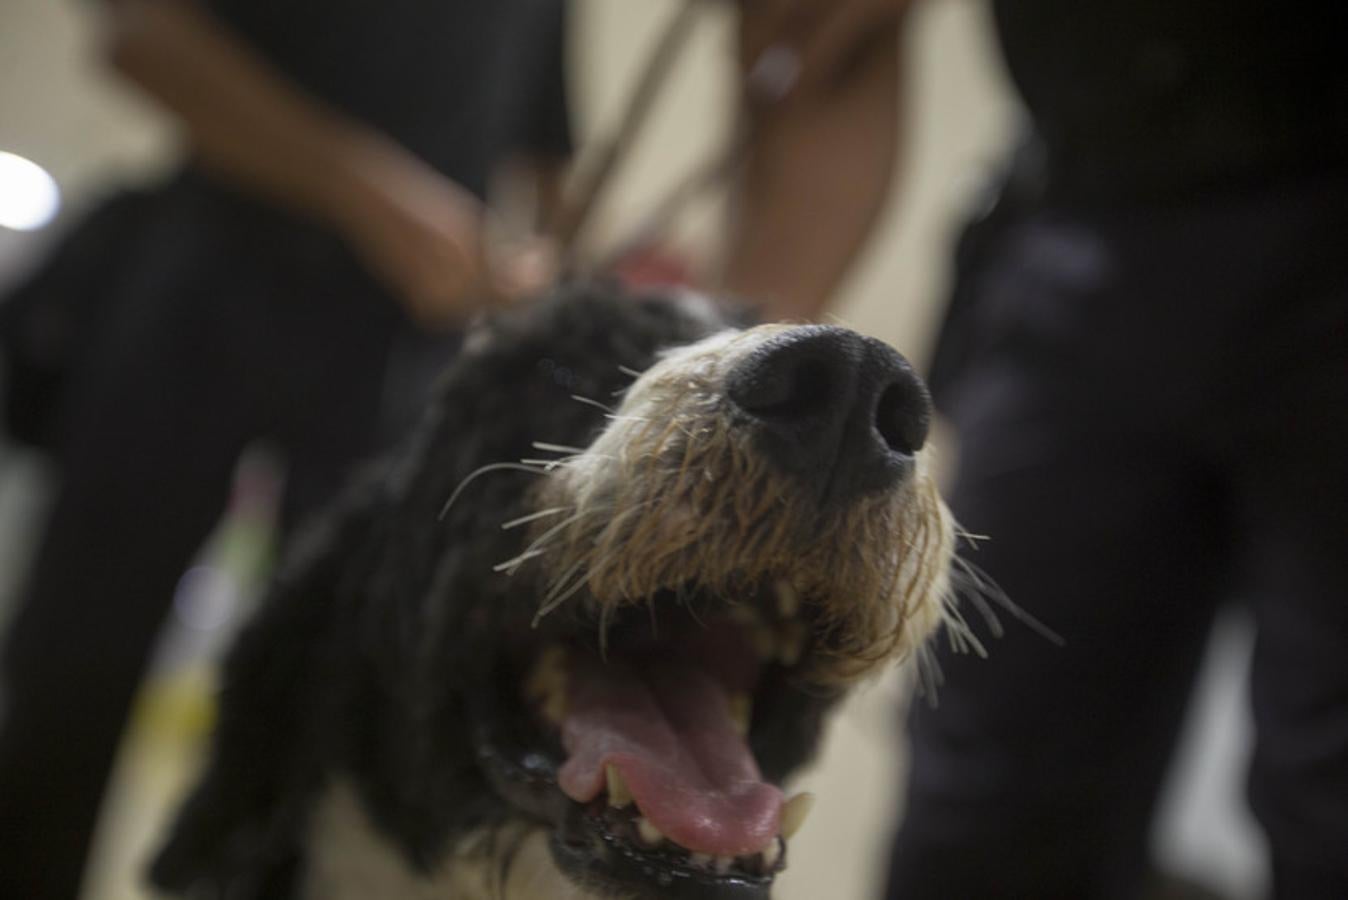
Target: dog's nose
point(844, 412)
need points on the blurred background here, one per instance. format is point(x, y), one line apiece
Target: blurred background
point(59, 109)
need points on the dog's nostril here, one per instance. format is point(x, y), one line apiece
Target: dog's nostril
point(902, 418)
point(794, 388)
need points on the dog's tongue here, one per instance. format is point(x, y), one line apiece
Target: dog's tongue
point(667, 727)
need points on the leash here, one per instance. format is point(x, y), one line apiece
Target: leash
point(596, 175)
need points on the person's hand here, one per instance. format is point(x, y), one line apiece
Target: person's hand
point(790, 46)
point(429, 240)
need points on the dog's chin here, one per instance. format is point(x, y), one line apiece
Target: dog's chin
point(652, 745)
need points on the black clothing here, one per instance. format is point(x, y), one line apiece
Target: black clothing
point(1146, 358)
point(1146, 100)
point(460, 83)
point(227, 320)
point(1153, 414)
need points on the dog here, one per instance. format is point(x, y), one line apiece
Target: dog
point(573, 638)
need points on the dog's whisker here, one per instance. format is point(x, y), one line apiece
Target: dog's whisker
point(968, 577)
point(476, 473)
point(560, 526)
point(511, 566)
point(929, 675)
point(550, 465)
point(972, 538)
point(554, 602)
point(655, 624)
point(630, 372)
point(962, 636)
point(989, 589)
point(555, 448)
point(595, 403)
point(605, 620)
point(535, 516)
point(696, 618)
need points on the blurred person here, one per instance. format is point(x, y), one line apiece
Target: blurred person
point(329, 220)
point(298, 279)
point(1146, 361)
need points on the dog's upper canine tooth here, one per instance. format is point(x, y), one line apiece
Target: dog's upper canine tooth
point(794, 813)
point(772, 854)
point(701, 860)
point(649, 834)
point(788, 599)
point(741, 710)
point(619, 794)
point(724, 864)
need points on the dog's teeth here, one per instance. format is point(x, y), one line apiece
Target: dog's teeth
point(791, 643)
point(724, 864)
point(794, 813)
point(741, 710)
point(701, 860)
point(619, 795)
point(772, 854)
point(649, 834)
point(788, 599)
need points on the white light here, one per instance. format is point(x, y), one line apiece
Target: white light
point(29, 197)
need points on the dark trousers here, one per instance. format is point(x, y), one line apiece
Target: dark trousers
point(213, 344)
point(1152, 406)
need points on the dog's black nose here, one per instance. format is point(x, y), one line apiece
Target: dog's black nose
point(844, 412)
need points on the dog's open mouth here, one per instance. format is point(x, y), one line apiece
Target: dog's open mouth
point(639, 754)
point(732, 553)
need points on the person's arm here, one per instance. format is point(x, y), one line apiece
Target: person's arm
point(250, 125)
point(822, 156)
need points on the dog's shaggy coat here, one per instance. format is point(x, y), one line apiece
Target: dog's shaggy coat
point(599, 473)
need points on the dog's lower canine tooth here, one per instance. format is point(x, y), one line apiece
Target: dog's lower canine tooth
point(772, 854)
point(619, 795)
point(741, 710)
point(788, 599)
point(794, 813)
point(649, 834)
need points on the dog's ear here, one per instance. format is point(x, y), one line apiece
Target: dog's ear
point(238, 834)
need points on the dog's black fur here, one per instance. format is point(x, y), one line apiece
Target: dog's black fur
point(360, 656)
point(379, 634)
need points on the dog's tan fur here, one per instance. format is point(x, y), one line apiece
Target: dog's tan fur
point(672, 489)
